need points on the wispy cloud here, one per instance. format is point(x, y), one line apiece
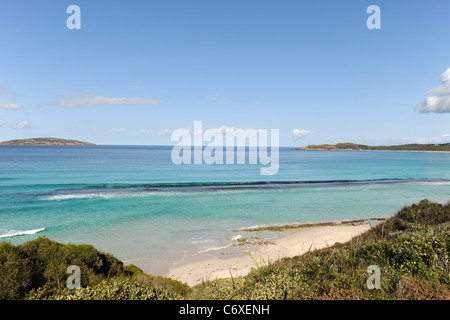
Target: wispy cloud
point(80, 101)
point(5, 104)
point(443, 138)
point(438, 98)
point(9, 106)
point(164, 132)
point(299, 133)
point(421, 140)
point(4, 91)
point(20, 125)
point(242, 135)
point(119, 130)
point(216, 97)
point(220, 130)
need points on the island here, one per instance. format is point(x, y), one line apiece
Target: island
point(46, 142)
point(443, 147)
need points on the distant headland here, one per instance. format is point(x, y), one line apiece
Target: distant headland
point(443, 147)
point(46, 142)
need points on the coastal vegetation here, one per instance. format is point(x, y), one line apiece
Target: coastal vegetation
point(443, 147)
point(46, 142)
point(411, 249)
point(37, 269)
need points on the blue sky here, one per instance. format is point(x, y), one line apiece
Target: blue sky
point(137, 70)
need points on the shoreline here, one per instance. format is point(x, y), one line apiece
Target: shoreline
point(299, 149)
point(258, 248)
point(310, 225)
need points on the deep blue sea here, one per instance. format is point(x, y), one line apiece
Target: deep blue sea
point(133, 202)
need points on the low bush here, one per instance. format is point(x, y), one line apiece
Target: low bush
point(40, 267)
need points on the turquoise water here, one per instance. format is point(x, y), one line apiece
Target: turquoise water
point(134, 202)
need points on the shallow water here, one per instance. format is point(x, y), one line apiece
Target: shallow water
point(134, 202)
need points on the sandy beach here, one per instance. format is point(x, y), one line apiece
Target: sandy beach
point(237, 260)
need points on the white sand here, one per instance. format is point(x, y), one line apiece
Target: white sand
point(236, 260)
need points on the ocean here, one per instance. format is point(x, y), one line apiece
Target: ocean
point(133, 202)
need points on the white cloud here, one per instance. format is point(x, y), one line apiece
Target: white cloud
point(438, 98)
point(445, 77)
point(217, 97)
point(419, 140)
point(119, 130)
point(240, 136)
point(9, 106)
point(6, 92)
point(20, 125)
point(299, 133)
point(443, 138)
point(145, 131)
point(92, 100)
point(221, 130)
point(23, 125)
point(164, 132)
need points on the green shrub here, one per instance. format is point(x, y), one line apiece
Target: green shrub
point(108, 290)
point(16, 273)
point(143, 279)
point(40, 267)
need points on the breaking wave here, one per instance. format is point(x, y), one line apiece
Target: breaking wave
point(13, 233)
